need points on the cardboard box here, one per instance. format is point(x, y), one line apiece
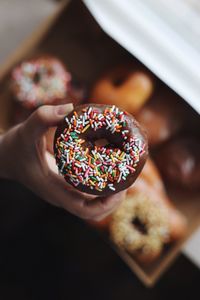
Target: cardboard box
point(73, 35)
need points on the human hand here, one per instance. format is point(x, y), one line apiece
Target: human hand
point(23, 157)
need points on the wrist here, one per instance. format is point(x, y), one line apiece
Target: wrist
point(3, 173)
point(7, 153)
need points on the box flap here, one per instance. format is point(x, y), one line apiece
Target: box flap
point(142, 29)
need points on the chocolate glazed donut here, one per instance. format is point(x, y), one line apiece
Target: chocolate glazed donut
point(100, 149)
point(179, 162)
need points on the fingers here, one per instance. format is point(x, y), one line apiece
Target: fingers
point(81, 204)
point(101, 207)
point(44, 117)
point(51, 162)
point(105, 215)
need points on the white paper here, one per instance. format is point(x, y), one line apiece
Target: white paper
point(166, 47)
point(192, 248)
point(139, 28)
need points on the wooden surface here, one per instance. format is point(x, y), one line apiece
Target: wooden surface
point(48, 254)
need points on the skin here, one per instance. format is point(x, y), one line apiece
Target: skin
point(23, 158)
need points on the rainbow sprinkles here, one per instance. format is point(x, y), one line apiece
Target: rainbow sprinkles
point(97, 167)
point(39, 81)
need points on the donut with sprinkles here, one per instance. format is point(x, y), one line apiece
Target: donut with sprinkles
point(100, 149)
point(39, 81)
point(141, 226)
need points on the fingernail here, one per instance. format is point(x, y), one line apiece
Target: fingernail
point(64, 109)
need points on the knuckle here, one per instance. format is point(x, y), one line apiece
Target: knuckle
point(40, 112)
point(85, 214)
point(20, 133)
point(104, 206)
point(98, 218)
point(80, 213)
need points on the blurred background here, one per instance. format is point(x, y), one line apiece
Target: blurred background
point(18, 18)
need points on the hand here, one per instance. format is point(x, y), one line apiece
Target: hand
point(23, 157)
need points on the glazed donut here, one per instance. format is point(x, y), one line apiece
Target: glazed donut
point(43, 80)
point(149, 178)
point(124, 87)
point(141, 227)
point(179, 162)
point(162, 117)
point(100, 149)
point(144, 224)
point(150, 182)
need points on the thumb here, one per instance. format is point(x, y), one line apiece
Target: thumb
point(44, 117)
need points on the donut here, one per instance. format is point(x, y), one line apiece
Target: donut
point(125, 87)
point(150, 182)
point(144, 224)
point(141, 227)
point(100, 149)
point(149, 178)
point(38, 81)
point(162, 117)
point(179, 162)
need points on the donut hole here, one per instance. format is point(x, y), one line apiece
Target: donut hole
point(119, 80)
point(101, 142)
point(36, 77)
point(98, 143)
point(100, 138)
point(141, 227)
